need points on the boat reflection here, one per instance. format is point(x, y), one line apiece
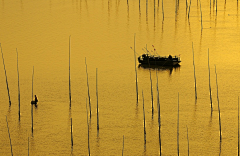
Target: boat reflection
point(160, 68)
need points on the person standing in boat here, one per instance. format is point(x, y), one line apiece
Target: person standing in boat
point(36, 99)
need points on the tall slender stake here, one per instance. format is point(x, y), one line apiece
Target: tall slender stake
point(135, 66)
point(189, 9)
point(238, 125)
point(162, 10)
point(151, 92)
point(219, 113)
point(97, 100)
point(159, 118)
point(123, 146)
point(188, 140)
point(89, 99)
point(32, 99)
point(18, 88)
point(28, 146)
point(178, 128)
point(32, 82)
point(194, 75)
point(70, 98)
point(71, 133)
point(210, 91)
point(6, 77)
point(88, 130)
point(144, 124)
point(9, 137)
point(201, 16)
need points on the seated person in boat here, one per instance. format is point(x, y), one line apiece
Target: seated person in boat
point(170, 57)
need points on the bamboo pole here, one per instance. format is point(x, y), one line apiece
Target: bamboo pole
point(159, 119)
point(144, 123)
point(188, 140)
point(9, 136)
point(28, 146)
point(135, 66)
point(162, 10)
point(210, 90)
point(123, 146)
point(194, 75)
point(219, 113)
point(238, 125)
point(151, 92)
point(71, 133)
point(32, 82)
point(89, 99)
point(6, 77)
point(189, 9)
point(201, 16)
point(18, 88)
point(178, 128)
point(88, 130)
point(32, 99)
point(70, 98)
point(97, 100)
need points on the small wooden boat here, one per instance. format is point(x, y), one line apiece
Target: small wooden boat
point(159, 60)
point(34, 102)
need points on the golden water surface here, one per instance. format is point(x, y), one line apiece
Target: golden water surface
point(102, 32)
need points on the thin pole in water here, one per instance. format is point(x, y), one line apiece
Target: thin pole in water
point(159, 118)
point(210, 91)
point(151, 92)
point(70, 98)
point(32, 99)
point(144, 123)
point(71, 133)
point(6, 77)
point(89, 99)
point(9, 137)
point(219, 113)
point(178, 128)
point(97, 99)
point(88, 130)
point(238, 125)
point(18, 88)
point(135, 66)
point(194, 75)
point(123, 145)
point(188, 140)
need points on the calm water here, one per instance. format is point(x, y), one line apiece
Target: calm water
point(103, 33)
